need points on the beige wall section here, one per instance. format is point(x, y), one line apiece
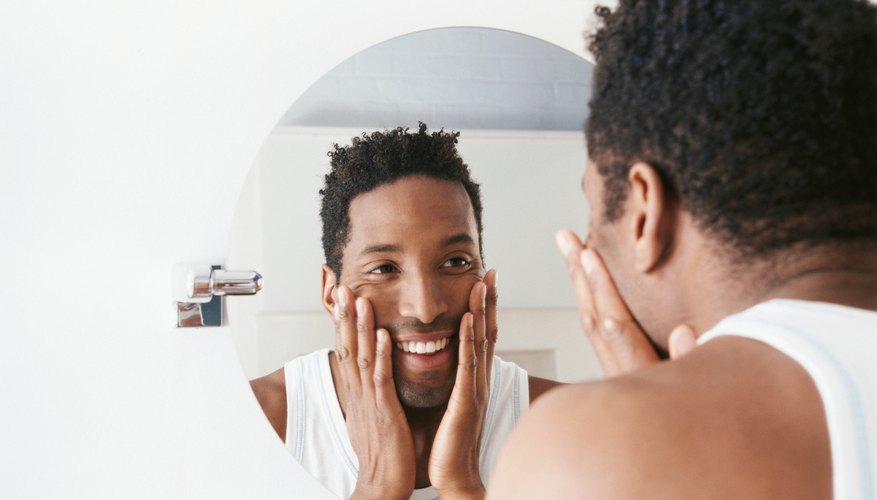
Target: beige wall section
point(530, 187)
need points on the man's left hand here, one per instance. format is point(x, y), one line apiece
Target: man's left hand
point(619, 342)
point(454, 463)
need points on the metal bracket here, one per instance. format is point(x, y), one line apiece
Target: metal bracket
point(200, 290)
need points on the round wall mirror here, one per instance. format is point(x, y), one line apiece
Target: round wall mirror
point(519, 104)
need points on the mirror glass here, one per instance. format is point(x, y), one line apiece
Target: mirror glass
point(519, 103)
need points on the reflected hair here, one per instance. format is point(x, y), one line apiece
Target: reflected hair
point(759, 116)
point(373, 160)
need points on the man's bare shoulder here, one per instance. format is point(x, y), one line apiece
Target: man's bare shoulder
point(733, 419)
point(562, 446)
point(539, 386)
point(270, 391)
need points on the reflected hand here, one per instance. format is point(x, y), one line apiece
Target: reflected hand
point(375, 420)
point(454, 467)
point(620, 343)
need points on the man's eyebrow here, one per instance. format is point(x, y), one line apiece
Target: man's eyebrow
point(386, 248)
point(459, 238)
point(379, 249)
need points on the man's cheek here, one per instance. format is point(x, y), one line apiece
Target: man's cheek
point(384, 306)
point(462, 293)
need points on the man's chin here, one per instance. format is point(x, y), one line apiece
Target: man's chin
point(412, 396)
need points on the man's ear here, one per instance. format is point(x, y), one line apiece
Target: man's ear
point(329, 283)
point(652, 217)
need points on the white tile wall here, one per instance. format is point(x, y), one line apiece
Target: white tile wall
point(453, 78)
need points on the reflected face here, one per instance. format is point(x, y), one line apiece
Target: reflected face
point(413, 252)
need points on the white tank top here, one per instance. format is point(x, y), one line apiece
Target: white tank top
point(837, 345)
point(317, 435)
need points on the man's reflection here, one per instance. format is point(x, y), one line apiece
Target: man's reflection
point(412, 400)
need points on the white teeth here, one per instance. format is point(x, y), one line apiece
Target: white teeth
point(423, 347)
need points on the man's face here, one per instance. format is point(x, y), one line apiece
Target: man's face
point(413, 253)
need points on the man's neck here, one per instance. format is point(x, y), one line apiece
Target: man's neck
point(424, 423)
point(835, 275)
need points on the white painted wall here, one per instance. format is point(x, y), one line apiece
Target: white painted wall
point(127, 131)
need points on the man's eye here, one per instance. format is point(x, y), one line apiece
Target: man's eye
point(456, 262)
point(383, 269)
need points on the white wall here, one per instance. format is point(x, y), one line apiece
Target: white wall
point(128, 129)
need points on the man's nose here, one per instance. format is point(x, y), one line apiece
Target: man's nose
point(422, 298)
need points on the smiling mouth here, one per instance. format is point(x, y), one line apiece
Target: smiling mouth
point(420, 347)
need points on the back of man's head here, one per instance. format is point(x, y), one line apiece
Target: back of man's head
point(759, 115)
point(380, 158)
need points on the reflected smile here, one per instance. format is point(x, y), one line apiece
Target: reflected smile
point(420, 347)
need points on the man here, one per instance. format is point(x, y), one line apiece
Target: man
point(412, 395)
point(732, 148)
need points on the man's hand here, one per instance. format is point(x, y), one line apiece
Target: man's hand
point(619, 342)
point(454, 468)
point(376, 423)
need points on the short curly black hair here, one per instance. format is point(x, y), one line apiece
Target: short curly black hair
point(760, 115)
point(380, 158)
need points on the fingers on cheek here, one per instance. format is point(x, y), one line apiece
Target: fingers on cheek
point(383, 371)
point(588, 323)
point(341, 303)
point(572, 264)
point(363, 361)
point(490, 287)
point(342, 352)
point(384, 346)
point(467, 329)
point(472, 344)
point(493, 335)
point(381, 378)
point(476, 303)
point(612, 331)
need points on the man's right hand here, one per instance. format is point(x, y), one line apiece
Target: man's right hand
point(621, 345)
point(375, 420)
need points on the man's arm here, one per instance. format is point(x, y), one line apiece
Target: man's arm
point(542, 447)
point(607, 439)
point(539, 386)
point(594, 440)
point(733, 419)
point(270, 392)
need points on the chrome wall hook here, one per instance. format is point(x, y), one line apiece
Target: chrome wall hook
point(200, 290)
